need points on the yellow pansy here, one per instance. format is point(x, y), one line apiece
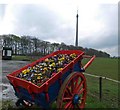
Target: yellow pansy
point(24, 71)
point(60, 69)
point(38, 77)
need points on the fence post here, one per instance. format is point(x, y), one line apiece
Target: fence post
point(100, 88)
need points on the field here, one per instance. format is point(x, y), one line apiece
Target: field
point(25, 58)
point(107, 67)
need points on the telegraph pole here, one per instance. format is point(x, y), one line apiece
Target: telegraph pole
point(76, 43)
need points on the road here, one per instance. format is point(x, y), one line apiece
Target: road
point(8, 66)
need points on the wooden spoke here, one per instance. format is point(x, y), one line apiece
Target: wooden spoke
point(76, 82)
point(73, 92)
point(68, 105)
point(68, 91)
point(81, 91)
point(78, 87)
point(67, 98)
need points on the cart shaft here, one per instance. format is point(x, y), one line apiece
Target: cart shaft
point(90, 61)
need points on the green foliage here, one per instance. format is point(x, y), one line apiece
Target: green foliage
point(6, 105)
point(32, 45)
point(96, 52)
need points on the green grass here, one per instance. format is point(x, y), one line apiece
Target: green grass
point(109, 93)
point(107, 67)
point(91, 102)
point(25, 58)
point(8, 104)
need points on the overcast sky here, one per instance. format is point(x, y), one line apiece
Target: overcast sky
point(55, 21)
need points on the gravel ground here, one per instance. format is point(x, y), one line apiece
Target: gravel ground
point(8, 66)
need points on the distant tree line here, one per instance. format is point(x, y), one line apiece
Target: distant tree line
point(30, 45)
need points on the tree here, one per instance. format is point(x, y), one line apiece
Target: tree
point(32, 45)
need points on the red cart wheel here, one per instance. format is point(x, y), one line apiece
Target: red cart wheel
point(73, 92)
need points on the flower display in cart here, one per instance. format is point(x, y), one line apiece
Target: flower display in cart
point(44, 70)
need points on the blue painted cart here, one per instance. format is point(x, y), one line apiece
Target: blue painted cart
point(68, 86)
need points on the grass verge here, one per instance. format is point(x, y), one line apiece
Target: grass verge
point(107, 67)
point(110, 97)
point(25, 58)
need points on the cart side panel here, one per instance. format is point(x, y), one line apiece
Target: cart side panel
point(40, 98)
point(54, 88)
point(77, 67)
point(52, 92)
point(24, 94)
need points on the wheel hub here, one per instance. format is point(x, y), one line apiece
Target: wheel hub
point(76, 99)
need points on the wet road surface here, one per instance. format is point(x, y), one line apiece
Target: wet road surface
point(9, 66)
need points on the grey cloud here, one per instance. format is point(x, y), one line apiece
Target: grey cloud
point(39, 21)
point(36, 20)
point(108, 36)
point(2, 10)
point(107, 41)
